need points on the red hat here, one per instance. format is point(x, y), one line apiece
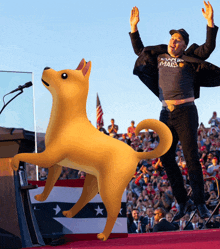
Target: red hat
point(203, 148)
point(215, 158)
point(164, 177)
point(174, 208)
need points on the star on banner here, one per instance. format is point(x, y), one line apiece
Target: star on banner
point(99, 210)
point(57, 209)
point(120, 211)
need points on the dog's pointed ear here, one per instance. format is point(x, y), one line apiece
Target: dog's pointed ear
point(86, 70)
point(81, 65)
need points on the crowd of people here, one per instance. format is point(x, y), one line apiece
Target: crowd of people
point(149, 195)
point(150, 203)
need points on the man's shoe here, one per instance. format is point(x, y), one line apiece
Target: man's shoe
point(183, 207)
point(203, 211)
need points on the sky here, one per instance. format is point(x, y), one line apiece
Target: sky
point(58, 34)
point(19, 113)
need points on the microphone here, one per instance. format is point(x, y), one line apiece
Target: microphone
point(26, 85)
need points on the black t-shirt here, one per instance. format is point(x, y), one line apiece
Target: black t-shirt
point(175, 78)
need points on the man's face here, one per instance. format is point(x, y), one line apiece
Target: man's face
point(157, 215)
point(186, 217)
point(217, 219)
point(112, 121)
point(176, 45)
point(150, 212)
point(149, 186)
point(135, 214)
point(178, 153)
point(214, 161)
point(146, 180)
point(195, 218)
point(169, 217)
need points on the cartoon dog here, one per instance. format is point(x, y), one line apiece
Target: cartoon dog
point(72, 141)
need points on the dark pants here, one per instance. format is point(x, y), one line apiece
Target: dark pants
point(183, 123)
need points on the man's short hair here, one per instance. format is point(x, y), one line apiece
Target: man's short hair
point(135, 209)
point(162, 211)
point(170, 214)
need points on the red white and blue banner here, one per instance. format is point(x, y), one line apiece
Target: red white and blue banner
point(90, 220)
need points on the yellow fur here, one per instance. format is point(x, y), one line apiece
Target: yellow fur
point(72, 141)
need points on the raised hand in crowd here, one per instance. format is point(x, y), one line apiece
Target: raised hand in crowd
point(139, 225)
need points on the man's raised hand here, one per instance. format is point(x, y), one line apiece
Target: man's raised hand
point(134, 19)
point(208, 13)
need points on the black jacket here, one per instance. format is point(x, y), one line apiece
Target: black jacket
point(164, 225)
point(132, 227)
point(146, 68)
point(144, 222)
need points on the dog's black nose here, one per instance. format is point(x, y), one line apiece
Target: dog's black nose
point(46, 68)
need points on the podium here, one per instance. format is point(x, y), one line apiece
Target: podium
point(13, 141)
point(18, 225)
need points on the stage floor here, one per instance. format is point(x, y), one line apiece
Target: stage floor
point(164, 240)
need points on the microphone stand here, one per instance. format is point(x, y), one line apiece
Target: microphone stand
point(24, 185)
point(21, 91)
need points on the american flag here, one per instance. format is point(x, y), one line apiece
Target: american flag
point(99, 113)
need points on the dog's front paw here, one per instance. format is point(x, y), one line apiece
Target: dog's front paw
point(102, 236)
point(15, 163)
point(68, 214)
point(40, 197)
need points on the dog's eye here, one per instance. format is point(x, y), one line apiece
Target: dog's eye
point(64, 76)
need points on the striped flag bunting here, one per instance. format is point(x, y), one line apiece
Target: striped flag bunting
point(91, 219)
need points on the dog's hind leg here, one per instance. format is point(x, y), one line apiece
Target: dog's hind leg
point(53, 175)
point(90, 189)
point(111, 191)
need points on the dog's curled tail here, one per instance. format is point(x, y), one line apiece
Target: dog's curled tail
point(164, 134)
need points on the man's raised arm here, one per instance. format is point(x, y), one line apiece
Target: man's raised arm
point(204, 51)
point(134, 34)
